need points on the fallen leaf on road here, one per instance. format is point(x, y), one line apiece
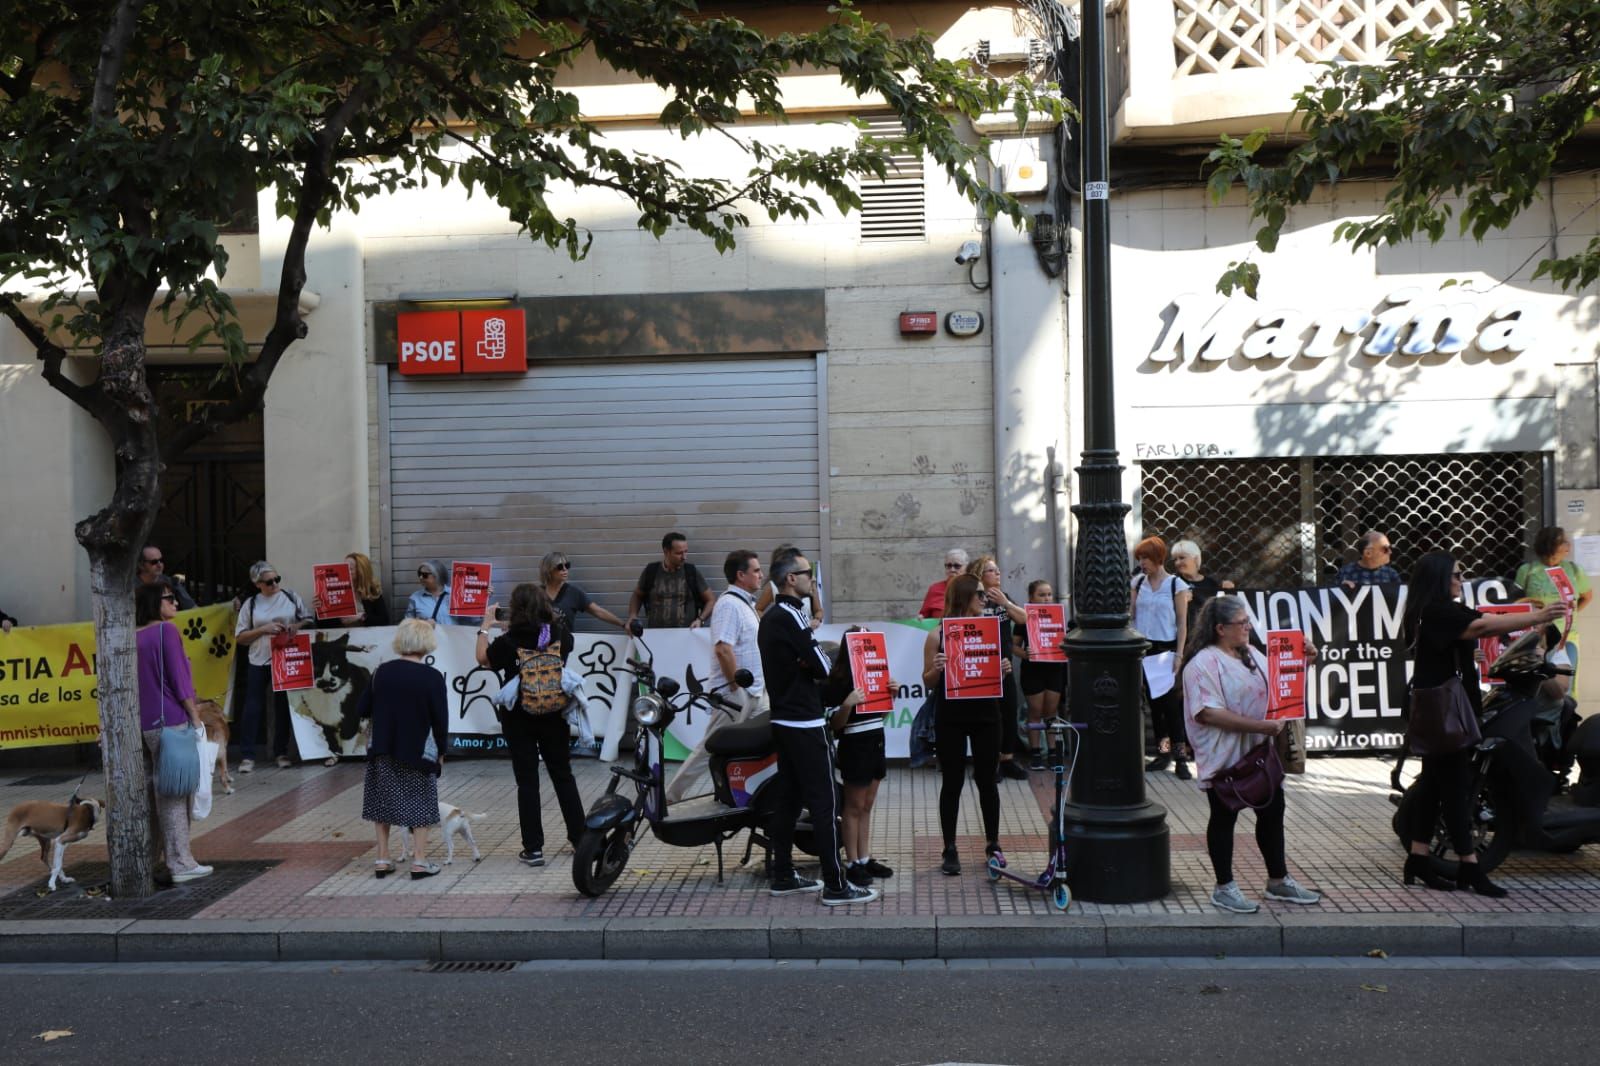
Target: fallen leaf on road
point(336, 835)
point(53, 1034)
point(1377, 953)
point(1374, 988)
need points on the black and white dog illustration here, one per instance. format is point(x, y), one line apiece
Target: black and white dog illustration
point(340, 681)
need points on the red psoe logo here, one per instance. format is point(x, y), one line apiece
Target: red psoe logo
point(494, 342)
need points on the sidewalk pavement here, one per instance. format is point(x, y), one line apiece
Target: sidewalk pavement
point(294, 881)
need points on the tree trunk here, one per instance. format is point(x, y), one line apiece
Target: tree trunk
point(122, 746)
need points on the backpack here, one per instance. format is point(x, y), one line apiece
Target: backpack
point(539, 674)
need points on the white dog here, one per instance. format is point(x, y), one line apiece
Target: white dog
point(452, 820)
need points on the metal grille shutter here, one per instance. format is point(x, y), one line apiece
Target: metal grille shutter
point(894, 209)
point(1279, 523)
point(598, 461)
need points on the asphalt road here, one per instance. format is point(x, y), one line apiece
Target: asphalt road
point(667, 1014)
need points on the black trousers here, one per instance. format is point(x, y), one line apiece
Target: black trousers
point(1269, 837)
point(1166, 715)
point(1444, 787)
point(530, 736)
point(1010, 738)
point(954, 726)
point(805, 780)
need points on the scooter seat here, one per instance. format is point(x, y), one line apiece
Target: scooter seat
point(742, 738)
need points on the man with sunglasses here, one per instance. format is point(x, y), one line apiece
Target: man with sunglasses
point(793, 667)
point(272, 611)
point(1372, 566)
point(153, 568)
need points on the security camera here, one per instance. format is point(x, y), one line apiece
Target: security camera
point(969, 253)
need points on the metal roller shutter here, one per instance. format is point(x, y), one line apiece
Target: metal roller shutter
point(598, 461)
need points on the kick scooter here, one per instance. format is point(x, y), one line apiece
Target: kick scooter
point(1053, 881)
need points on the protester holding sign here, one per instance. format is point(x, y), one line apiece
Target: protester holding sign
point(996, 604)
point(166, 701)
point(270, 612)
point(372, 609)
point(1160, 609)
point(1225, 704)
point(1442, 633)
point(960, 721)
point(1044, 664)
point(431, 602)
point(861, 758)
point(1553, 548)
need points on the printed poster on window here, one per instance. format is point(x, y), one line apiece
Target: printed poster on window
point(1286, 674)
point(869, 665)
point(469, 589)
point(1047, 628)
point(291, 662)
point(971, 658)
point(1489, 648)
point(335, 591)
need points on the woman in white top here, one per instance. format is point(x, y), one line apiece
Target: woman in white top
point(272, 611)
point(1159, 603)
point(1225, 706)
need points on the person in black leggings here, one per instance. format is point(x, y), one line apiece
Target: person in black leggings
point(1442, 634)
point(958, 722)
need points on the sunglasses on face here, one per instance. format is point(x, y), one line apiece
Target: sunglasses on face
point(801, 573)
point(952, 566)
point(169, 599)
point(424, 574)
point(563, 566)
point(269, 581)
point(153, 562)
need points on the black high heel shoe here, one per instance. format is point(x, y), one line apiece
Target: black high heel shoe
point(1420, 868)
point(1471, 876)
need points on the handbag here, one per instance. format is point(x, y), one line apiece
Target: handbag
point(178, 757)
point(1253, 781)
point(1442, 720)
point(200, 807)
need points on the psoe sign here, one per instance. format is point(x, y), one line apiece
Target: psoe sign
point(462, 342)
point(1407, 324)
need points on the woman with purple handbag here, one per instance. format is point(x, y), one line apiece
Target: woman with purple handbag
point(1235, 750)
point(1442, 726)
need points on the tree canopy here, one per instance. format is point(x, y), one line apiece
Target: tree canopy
point(1469, 125)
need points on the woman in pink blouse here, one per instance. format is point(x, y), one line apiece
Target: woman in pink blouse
point(1225, 706)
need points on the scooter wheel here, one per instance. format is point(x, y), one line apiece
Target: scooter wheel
point(598, 860)
point(1061, 896)
point(993, 866)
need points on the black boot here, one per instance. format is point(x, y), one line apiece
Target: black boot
point(1472, 876)
point(1420, 867)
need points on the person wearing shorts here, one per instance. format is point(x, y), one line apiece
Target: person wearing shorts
point(1042, 683)
point(862, 767)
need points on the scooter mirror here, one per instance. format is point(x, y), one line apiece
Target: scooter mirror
point(743, 678)
point(666, 687)
point(636, 628)
point(695, 687)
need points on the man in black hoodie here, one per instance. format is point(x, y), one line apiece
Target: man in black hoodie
point(794, 666)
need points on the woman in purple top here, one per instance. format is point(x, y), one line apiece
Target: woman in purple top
point(166, 698)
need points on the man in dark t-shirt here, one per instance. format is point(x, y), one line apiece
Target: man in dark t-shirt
point(672, 592)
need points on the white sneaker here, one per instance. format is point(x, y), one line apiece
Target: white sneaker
point(247, 766)
point(1228, 898)
point(192, 875)
point(1291, 892)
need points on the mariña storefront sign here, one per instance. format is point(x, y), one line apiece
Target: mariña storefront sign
point(1408, 323)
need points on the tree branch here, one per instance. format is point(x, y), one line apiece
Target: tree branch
point(52, 355)
point(113, 50)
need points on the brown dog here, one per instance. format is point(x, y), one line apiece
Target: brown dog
point(54, 825)
point(216, 727)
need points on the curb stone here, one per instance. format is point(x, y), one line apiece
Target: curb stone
point(925, 940)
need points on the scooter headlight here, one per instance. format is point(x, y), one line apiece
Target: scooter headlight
point(648, 708)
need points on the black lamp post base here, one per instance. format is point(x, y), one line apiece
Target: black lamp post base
point(1118, 854)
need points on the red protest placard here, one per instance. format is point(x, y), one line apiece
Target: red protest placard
point(291, 662)
point(972, 658)
point(869, 665)
point(469, 588)
point(1489, 648)
point(1569, 596)
point(335, 589)
point(1286, 674)
point(1047, 628)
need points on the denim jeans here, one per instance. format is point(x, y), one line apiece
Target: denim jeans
point(257, 690)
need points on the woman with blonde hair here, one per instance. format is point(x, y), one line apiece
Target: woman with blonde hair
point(996, 604)
point(410, 724)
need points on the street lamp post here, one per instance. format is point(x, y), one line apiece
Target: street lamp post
point(1117, 839)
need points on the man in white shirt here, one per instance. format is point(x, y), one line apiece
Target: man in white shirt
point(734, 625)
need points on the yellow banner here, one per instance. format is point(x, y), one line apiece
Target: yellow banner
point(47, 676)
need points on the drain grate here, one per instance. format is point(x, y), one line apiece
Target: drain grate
point(469, 967)
point(85, 898)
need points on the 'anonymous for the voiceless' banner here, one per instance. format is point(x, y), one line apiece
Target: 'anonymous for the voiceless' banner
point(1356, 688)
point(48, 692)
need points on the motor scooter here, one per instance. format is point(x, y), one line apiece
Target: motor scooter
point(1518, 798)
point(743, 767)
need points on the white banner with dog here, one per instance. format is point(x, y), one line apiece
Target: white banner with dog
point(326, 721)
